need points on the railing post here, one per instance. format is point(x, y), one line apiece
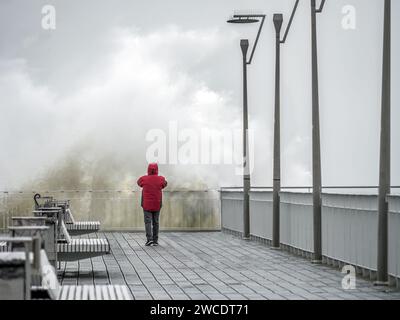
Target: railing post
point(384, 171)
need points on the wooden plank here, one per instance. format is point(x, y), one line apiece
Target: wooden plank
point(112, 261)
point(71, 272)
point(85, 275)
point(99, 268)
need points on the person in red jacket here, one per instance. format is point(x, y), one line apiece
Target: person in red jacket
point(152, 185)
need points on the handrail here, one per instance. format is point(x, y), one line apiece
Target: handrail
point(310, 187)
point(98, 191)
point(188, 190)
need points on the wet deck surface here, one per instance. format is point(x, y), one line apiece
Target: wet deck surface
point(213, 266)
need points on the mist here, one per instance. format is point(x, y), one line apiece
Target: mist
point(78, 101)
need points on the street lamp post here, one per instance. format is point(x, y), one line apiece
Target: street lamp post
point(316, 139)
point(384, 171)
point(278, 20)
point(244, 44)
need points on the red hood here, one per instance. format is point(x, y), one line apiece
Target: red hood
point(152, 169)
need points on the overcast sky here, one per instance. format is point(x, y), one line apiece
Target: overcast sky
point(83, 96)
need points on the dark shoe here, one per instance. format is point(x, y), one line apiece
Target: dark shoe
point(155, 244)
point(149, 243)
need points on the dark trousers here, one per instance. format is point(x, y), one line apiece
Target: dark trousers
point(151, 223)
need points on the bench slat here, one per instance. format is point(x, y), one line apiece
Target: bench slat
point(92, 294)
point(85, 245)
point(78, 294)
point(84, 225)
point(98, 293)
point(125, 293)
point(71, 293)
point(118, 292)
point(64, 292)
point(85, 294)
point(111, 292)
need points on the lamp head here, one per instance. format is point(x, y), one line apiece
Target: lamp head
point(243, 19)
point(278, 20)
point(244, 45)
point(240, 20)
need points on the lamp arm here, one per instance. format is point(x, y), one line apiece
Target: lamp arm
point(321, 7)
point(290, 21)
point(257, 38)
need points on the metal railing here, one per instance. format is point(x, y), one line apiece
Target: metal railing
point(309, 188)
point(349, 223)
point(394, 237)
point(121, 210)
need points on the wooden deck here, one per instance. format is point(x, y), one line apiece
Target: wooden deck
point(212, 265)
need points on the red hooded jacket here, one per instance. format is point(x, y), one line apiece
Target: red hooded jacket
point(152, 185)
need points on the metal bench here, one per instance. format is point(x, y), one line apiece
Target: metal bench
point(99, 292)
point(15, 271)
point(28, 221)
point(73, 226)
point(80, 227)
point(17, 268)
point(67, 248)
point(12, 279)
point(49, 236)
point(38, 234)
